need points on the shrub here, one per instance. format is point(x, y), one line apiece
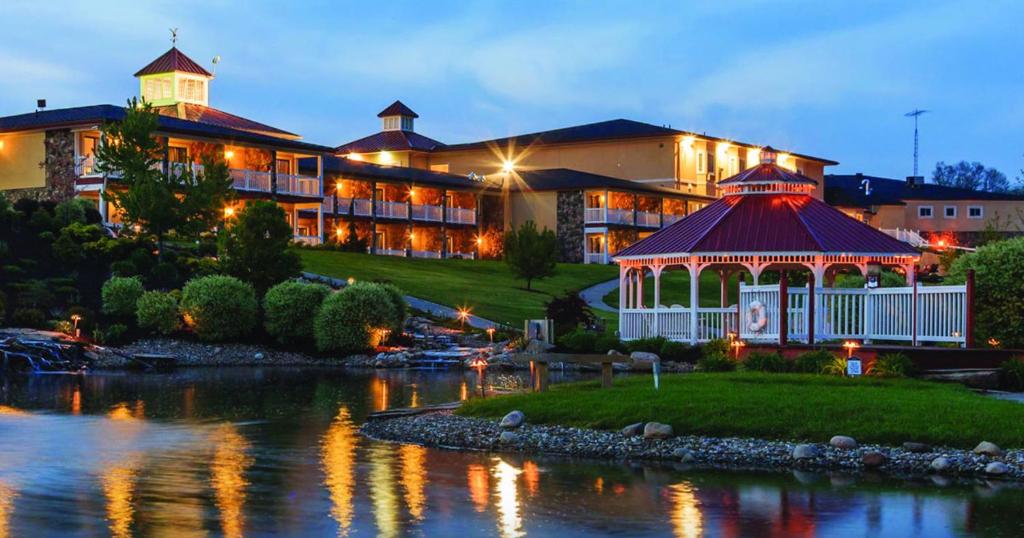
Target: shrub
point(715, 347)
point(30, 318)
point(158, 311)
point(351, 320)
point(70, 211)
point(399, 304)
point(579, 340)
point(123, 268)
point(87, 318)
point(120, 295)
point(3, 307)
point(163, 275)
point(998, 292)
point(647, 345)
point(812, 362)
point(219, 307)
point(678, 352)
point(608, 341)
point(254, 247)
point(765, 362)
point(716, 362)
point(114, 334)
point(289, 309)
point(836, 366)
point(568, 312)
point(1011, 374)
point(892, 365)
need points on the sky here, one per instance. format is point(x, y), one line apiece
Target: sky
point(830, 79)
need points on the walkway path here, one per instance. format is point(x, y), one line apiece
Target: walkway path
point(594, 295)
point(416, 303)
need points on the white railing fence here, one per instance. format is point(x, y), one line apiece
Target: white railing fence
point(392, 210)
point(461, 215)
point(250, 180)
point(648, 219)
point(430, 213)
point(674, 323)
point(595, 257)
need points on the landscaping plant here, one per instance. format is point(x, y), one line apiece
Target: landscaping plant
point(355, 319)
point(289, 309)
point(813, 362)
point(998, 290)
point(569, 311)
point(1011, 374)
point(765, 362)
point(892, 365)
point(219, 308)
point(254, 246)
point(158, 312)
point(716, 362)
point(531, 254)
point(120, 294)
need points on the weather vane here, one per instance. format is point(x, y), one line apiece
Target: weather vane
point(174, 36)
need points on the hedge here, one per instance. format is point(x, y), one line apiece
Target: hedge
point(290, 308)
point(119, 296)
point(158, 311)
point(219, 307)
point(352, 320)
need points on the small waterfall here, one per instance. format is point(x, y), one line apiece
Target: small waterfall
point(36, 355)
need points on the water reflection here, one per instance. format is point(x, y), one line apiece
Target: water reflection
point(118, 485)
point(414, 478)
point(227, 477)
point(687, 521)
point(382, 491)
point(338, 458)
point(479, 487)
point(7, 496)
point(507, 491)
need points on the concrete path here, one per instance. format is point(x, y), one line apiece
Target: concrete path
point(594, 295)
point(416, 303)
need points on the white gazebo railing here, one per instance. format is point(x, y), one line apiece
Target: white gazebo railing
point(673, 323)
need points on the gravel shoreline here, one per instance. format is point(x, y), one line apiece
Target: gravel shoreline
point(445, 430)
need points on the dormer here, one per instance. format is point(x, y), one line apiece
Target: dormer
point(174, 78)
point(397, 117)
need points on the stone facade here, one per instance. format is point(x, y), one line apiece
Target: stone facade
point(60, 165)
point(570, 226)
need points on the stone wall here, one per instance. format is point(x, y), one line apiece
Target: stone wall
point(570, 226)
point(60, 164)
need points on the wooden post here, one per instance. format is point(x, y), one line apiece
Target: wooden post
point(810, 308)
point(273, 174)
point(969, 321)
point(783, 308)
point(913, 313)
point(542, 376)
point(373, 217)
point(606, 375)
point(723, 281)
point(444, 223)
point(408, 220)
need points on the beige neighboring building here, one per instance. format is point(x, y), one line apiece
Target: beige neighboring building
point(939, 216)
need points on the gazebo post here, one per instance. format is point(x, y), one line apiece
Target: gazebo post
point(623, 273)
point(912, 280)
point(783, 308)
point(656, 269)
point(969, 315)
point(810, 308)
point(723, 280)
point(694, 268)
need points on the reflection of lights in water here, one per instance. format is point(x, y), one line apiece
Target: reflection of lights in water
point(509, 523)
point(140, 409)
point(414, 478)
point(12, 411)
point(188, 401)
point(118, 486)
point(7, 495)
point(120, 412)
point(686, 516)
point(414, 400)
point(599, 485)
point(476, 474)
point(531, 476)
point(380, 394)
point(76, 402)
point(227, 477)
point(338, 457)
point(463, 392)
point(382, 491)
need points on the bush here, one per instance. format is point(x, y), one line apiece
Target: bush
point(1011, 374)
point(351, 320)
point(998, 291)
point(646, 345)
point(158, 311)
point(29, 318)
point(114, 334)
point(579, 340)
point(765, 362)
point(892, 365)
point(401, 307)
point(120, 295)
point(219, 307)
point(715, 347)
point(608, 341)
point(716, 362)
point(254, 247)
point(124, 268)
point(87, 318)
point(678, 352)
point(3, 307)
point(289, 309)
point(568, 312)
point(812, 362)
point(836, 366)
point(163, 275)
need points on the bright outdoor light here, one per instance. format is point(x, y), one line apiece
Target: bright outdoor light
point(229, 154)
point(355, 157)
point(351, 280)
point(850, 345)
point(386, 157)
point(229, 211)
point(738, 345)
point(490, 333)
point(508, 166)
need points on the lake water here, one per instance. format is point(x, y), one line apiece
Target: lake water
point(260, 452)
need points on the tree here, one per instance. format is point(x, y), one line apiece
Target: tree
point(568, 312)
point(530, 253)
point(158, 201)
point(254, 248)
point(973, 176)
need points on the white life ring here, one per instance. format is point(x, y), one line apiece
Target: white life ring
point(757, 318)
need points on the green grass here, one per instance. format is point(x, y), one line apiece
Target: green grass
point(777, 406)
point(487, 287)
point(675, 289)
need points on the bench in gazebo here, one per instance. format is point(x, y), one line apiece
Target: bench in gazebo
point(767, 219)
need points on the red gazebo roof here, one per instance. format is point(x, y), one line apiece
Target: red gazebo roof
point(770, 217)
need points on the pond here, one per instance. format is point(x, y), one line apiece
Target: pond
point(260, 452)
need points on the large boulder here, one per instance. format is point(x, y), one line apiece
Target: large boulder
point(996, 468)
point(512, 420)
point(873, 459)
point(644, 356)
point(684, 455)
point(508, 437)
point(986, 448)
point(657, 430)
point(805, 452)
point(633, 430)
point(940, 464)
point(843, 442)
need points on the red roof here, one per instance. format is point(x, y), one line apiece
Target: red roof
point(397, 108)
point(767, 224)
point(390, 141)
point(212, 116)
point(173, 60)
point(767, 174)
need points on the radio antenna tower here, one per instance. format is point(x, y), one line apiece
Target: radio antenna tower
point(914, 114)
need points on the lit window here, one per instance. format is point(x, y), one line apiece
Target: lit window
point(439, 168)
point(949, 212)
point(975, 212)
point(924, 212)
point(191, 89)
point(700, 162)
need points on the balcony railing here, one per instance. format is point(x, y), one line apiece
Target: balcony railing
point(391, 251)
point(461, 255)
point(250, 180)
point(298, 185)
point(672, 219)
point(430, 213)
point(595, 257)
point(648, 219)
point(604, 215)
point(307, 239)
point(461, 215)
point(392, 210)
point(432, 254)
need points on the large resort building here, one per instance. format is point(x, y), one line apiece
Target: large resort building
point(601, 186)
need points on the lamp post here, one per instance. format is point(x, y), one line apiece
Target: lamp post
point(75, 318)
point(463, 316)
point(490, 333)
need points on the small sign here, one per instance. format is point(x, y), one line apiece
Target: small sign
point(853, 367)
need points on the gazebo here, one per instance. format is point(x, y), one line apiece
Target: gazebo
point(768, 219)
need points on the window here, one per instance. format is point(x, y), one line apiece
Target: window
point(284, 166)
point(732, 166)
point(439, 168)
point(595, 244)
point(190, 89)
point(975, 212)
point(924, 212)
point(156, 89)
point(595, 200)
point(177, 154)
point(700, 162)
point(391, 123)
point(949, 212)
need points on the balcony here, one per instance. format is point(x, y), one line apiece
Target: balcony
point(391, 252)
point(430, 254)
point(595, 257)
point(311, 240)
point(604, 215)
point(298, 185)
point(257, 181)
point(461, 255)
point(461, 215)
point(392, 210)
point(648, 219)
point(429, 213)
point(672, 219)
point(250, 180)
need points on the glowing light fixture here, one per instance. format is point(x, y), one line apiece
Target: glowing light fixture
point(229, 211)
point(351, 280)
point(508, 166)
point(850, 345)
point(490, 333)
point(338, 232)
point(463, 316)
point(229, 154)
point(737, 345)
point(386, 157)
point(1, 144)
point(479, 240)
point(687, 142)
point(355, 156)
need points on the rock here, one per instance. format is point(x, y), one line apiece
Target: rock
point(805, 451)
point(614, 353)
point(512, 420)
point(644, 356)
point(684, 455)
point(844, 442)
point(986, 448)
point(940, 464)
point(508, 437)
point(657, 430)
point(258, 356)
point(873, 459)
point(996, 468)
point(918, 448)
point(633, 430)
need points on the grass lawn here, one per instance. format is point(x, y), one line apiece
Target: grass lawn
point(675, 289)
point(487, 287)
point(777, 406)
